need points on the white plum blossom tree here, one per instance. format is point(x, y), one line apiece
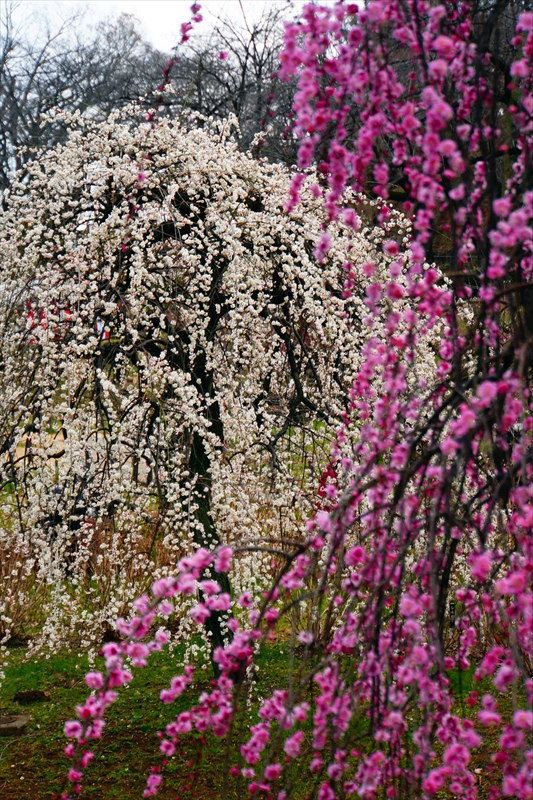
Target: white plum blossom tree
point(177, 351)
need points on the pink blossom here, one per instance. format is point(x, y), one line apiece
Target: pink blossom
point(272, 772)
point(409, 607)
point(486, 392)
point(161, 588)
point(494, 272)
point(326, 792)
point(323, 520)
point(86, 759)
point(514, 583)
point(355, 556)
point(480, 566)
point(94, 680)
point(444, 46)
point(520, 69)
point(525, 21)
point(323, 247)
point(138, 652)
point(466, 420)
point(393, 290)
point(456, 755)
point(447, 147)
point(504, 677)
point(224, 558)
point(165, 608)
point(449, 446)
point(523, 719)
point(152, 783)
point(351, 219)
point(167, 748)
point(210, 587)
point(434, 782)
point(438, 69)
point(245, 600)
point(73, 730)
point(200, 613)
point(488, 717)
point(458, 192)
point(293, 743)
point(373, 294)
point(502, 206)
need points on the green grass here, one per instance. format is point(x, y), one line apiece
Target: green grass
point(33, 765)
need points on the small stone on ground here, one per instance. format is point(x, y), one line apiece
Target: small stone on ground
point(12, 724)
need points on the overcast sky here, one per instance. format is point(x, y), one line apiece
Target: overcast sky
point(160, 19)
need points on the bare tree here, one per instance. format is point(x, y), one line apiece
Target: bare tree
point(233, 70)
point(110, 70)
point(63, 68)
point(230, 71)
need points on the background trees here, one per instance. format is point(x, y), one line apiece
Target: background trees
point(65, 67)
point(233, 71)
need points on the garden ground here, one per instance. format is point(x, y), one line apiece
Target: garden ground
point(33, 764)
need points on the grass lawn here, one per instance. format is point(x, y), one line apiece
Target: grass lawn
point(33, 764)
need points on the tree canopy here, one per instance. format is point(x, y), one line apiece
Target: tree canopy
point(176, 356)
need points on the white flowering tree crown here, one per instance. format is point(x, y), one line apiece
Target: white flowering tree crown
point(177, 352)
